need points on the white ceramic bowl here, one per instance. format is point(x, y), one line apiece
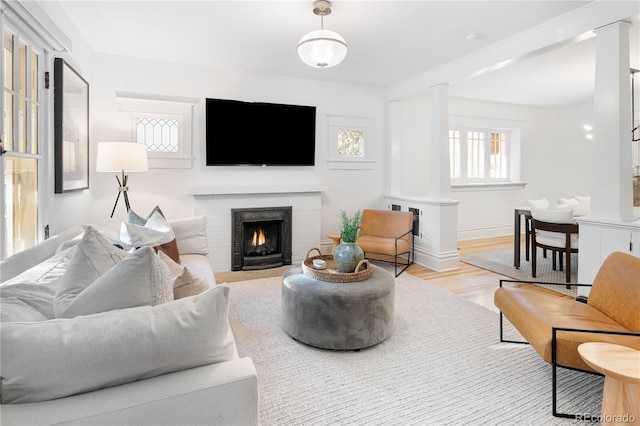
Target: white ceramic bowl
point(319, 264)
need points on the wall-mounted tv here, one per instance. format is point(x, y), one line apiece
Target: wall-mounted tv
point(259, 134)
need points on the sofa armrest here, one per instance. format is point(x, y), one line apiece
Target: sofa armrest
point(223, 393)
point(555, 330)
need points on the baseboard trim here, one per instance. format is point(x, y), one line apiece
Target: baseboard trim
point(439, 262)
point(501, 230)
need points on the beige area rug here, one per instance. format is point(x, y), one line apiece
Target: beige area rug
point(501, 262)
point(443, 365)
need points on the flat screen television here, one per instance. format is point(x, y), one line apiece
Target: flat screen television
point(259, 134)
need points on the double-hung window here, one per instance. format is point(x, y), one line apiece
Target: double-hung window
point(480, 155)
point(21, 162)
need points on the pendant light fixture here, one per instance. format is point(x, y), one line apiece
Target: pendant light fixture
point(322, 48)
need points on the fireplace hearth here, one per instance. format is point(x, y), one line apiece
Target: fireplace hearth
point(260, 238)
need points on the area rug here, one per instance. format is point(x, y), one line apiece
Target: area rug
point(501, 262)
point(442, 365)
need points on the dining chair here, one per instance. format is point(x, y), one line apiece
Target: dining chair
point(541, 203)
point(554, 230)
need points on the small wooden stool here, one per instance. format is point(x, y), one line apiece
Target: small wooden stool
point(336, 240)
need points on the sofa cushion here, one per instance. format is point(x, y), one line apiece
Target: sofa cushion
point(34, 289)
point(101, 277)
point(191, 235)
point(14, 309)
point(62, 357)
point(184, 282)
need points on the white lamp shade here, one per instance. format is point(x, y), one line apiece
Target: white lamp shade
point(122, 156)
point(322, 49)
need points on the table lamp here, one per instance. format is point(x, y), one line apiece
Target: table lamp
point(122, 157)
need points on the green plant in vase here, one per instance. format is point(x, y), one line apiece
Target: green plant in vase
point(347, 254)
point(350, 225)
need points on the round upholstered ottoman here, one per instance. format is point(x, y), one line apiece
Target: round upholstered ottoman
point(342, 316)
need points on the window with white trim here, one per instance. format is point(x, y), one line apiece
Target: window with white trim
point(164, 126)
point(479, 155)
point(350, 142)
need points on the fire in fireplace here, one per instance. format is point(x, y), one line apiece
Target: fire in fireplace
point(261, 238)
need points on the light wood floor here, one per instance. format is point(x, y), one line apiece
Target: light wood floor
point(470, 282)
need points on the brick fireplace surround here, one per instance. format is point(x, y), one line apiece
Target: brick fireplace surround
point(216, 204)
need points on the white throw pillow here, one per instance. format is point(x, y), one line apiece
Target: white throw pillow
point(579, 209)
point(94, 255)
point(140, 279)
point(542, 203)
point(61, 357)
point(553, 215)
point(570, 201)
point(184, 282)
point(583, 199)
point(101, 277)
point(191, 235)
point(156, 231)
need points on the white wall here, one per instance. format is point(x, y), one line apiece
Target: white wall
point(555, 158)
point(64, 210)
point(169, 188)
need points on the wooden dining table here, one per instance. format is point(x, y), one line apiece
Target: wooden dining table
point(519, 213)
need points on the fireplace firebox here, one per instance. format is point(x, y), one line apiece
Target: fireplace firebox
point(260, 238)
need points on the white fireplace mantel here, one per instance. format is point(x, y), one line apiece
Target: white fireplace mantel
point(217, 202)
point(258, 189)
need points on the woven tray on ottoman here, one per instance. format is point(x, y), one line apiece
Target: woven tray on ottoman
point(330, 273)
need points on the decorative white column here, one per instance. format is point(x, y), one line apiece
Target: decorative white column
point(612, 175)
point(610, 225)
point(440, 214)
point(394, 166)
point(439, 175)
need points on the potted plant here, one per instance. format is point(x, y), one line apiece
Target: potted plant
point(347, 254)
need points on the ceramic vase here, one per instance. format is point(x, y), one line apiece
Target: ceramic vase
point(347, 256)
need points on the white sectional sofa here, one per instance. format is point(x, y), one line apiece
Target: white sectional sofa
point(204, 383)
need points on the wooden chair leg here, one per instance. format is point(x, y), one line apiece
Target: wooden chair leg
point(568, 271)
point(534, 255)
point(527, 238)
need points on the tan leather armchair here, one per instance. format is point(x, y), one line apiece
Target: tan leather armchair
point(387, 236)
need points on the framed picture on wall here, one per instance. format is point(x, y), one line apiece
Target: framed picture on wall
point(71, 128)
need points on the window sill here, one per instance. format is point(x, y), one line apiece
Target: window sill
point(487, 186)
point(351, 164)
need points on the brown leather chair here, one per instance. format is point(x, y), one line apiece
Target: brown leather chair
point(387, 236)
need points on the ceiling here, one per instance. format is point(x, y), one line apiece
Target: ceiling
point(389, 41)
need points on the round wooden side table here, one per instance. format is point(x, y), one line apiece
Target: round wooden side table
point(621, 368)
